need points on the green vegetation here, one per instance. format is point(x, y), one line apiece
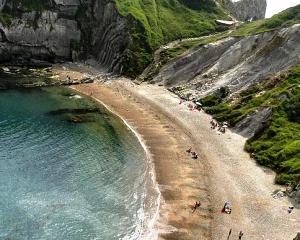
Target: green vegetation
point(278, 145)
point(284, 19)
point(5, 19)
point(159, 22)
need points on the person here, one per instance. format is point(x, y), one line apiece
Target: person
point(229, 233)
point(290, 209)
point(241, 234)
point(228, 210)
point(189, 150)
point(226, 206)
point(197, 205)
point(194, 155)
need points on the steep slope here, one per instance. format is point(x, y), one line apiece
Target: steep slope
point(244, 10)
point(59, 30)
point(158, 22)
point(268, 113)
point(120, 35)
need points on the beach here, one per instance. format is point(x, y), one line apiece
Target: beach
point(223, 171)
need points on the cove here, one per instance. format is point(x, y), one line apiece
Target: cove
point(61, 179)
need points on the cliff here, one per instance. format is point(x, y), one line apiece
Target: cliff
point(244, 10)
point(121, 35)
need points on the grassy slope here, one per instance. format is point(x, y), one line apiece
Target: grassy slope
point(278, 145)
point(286, 18)
point(162, 21)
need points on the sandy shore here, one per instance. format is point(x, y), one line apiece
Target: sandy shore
point(223, 171)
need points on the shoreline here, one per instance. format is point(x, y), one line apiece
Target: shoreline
point(177, 198)
point(151, 233)
point(223, 172)
point(172, 201)
point(218, 176)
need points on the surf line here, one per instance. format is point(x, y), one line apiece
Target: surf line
point(154, 219)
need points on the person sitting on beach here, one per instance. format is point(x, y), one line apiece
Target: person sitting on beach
point(226, 205)
point(228, 210)
point(195, 156)
point(290, 209)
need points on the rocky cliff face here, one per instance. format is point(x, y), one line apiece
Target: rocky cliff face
point(244, 10)
point(105, 33)
point(235, 62)
point(56, 30)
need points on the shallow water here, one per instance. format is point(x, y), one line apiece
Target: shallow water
point(60, 180)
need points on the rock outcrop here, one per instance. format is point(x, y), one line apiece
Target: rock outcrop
point(245, 10)
point(105, 34)
point(63, 30)
point(235, 63)
point(254, 123)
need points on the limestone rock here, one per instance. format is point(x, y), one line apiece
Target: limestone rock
point(244, 10)
point(253, 123)
point(235, 63)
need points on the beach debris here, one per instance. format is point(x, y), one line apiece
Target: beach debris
point(5, 69)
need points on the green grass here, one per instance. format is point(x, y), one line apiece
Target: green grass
point(162, 21)
point(5, 19)
point(278, 145)
point(166, 20)
point(284, 19)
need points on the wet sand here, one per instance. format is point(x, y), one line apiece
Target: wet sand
point(182, 180)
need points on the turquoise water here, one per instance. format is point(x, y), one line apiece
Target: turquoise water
point(61, 180)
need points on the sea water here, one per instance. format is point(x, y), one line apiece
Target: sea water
point(66, 180)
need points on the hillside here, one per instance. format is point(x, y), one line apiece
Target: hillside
point(120, 35)
point(268, 112)
point(159, 22)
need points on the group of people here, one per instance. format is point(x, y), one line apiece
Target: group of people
point(241, 234)
point(220, 126)
point(193, 153)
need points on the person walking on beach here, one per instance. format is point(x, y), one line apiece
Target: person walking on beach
point(229, 233)
point(241, 234)
point(197, 205)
